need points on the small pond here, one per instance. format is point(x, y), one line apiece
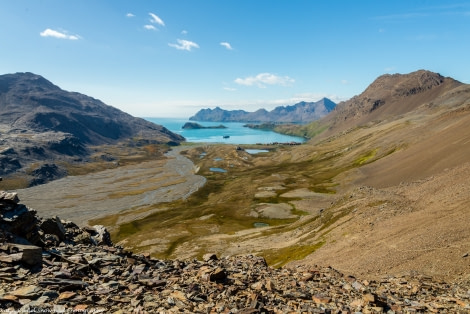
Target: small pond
point(217, 170)
point(256, 151)
point(260, 224)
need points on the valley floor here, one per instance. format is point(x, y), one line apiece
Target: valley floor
point(86, 197)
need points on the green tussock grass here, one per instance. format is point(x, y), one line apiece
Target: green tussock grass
point(329, 218)
point(280, 257)
point(307, 130)
point(367, 157)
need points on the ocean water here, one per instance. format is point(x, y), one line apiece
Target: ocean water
point(237, 134)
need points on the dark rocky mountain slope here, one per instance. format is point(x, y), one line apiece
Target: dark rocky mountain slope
point(29, 102)
point(301, 112)
point(41, 122)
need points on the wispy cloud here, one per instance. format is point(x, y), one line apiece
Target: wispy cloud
point(184, 32)
point(150, 27)
point(230, 89)
point(226, 45)
point(184, 45)
point(56, 34)
point(130, 15)
point(155, 19)
point(263, 79)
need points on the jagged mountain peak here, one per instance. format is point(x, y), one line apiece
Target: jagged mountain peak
point(405, 84)
point(387, 97)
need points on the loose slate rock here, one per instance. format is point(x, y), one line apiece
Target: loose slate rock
point(84, 276)
point(28, 254)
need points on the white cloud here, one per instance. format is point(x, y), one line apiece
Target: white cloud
point(230, 89)
point(226, 45)
point(150, 27)
point(263, 79)
point(130, 15)
point(155, 19)
point(56, 34)
point(184, 45)
point(184, 32)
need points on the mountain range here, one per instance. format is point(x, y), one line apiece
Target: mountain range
point(302, 112)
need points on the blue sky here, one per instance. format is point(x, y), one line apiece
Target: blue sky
point(172, 58)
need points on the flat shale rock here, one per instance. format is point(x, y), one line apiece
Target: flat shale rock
point(27, 254)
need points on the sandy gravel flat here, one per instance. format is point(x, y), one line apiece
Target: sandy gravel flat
point(82, 198)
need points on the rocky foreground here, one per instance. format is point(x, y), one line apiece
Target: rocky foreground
point(51, 265)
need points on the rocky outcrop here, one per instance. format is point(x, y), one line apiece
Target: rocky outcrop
point(47, 172)
point(73, 270)
point(17, 221)
point(19, 224)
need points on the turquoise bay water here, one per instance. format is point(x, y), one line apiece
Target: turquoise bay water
point(236, 132)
